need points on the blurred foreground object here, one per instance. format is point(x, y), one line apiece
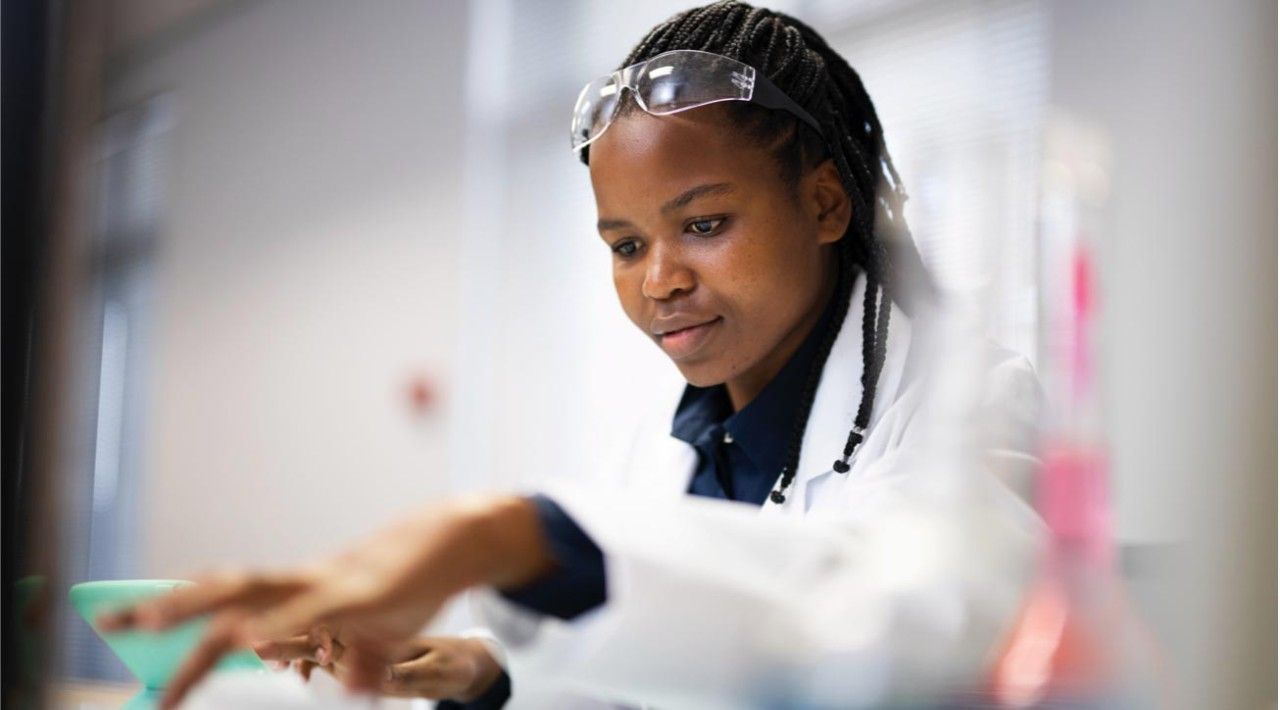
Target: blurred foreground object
point(1076, 640)
point(52, 86)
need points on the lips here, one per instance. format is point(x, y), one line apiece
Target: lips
point(684, 336)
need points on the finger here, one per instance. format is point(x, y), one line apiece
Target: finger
point(290, 649)
point(319, 606)
point(328, 650)
point(156, 613)
point(304, 669)
point(411, 649)
point(117, 620)
point(215, 592)
point(222, 635)
point(421, 676)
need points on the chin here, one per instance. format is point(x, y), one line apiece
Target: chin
point(704, 374)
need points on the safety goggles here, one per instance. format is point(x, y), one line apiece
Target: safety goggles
point(672, 82)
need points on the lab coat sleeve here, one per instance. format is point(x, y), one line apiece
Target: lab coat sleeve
point(1010, 414)
point(576, 584)
point(711, 604)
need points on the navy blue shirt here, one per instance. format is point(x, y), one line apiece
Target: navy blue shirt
point(740, 456)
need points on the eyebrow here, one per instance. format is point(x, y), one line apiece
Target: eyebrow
point(675, 203)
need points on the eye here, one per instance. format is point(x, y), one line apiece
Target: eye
point(705, 227)
point(626, 248)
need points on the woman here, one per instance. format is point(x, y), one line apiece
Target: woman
point(755, 223)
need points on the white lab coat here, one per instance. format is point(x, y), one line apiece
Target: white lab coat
point(892, 579)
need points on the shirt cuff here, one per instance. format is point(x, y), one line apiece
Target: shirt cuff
point(493, 699)
point(576, 584)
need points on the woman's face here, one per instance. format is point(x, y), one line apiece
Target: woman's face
point(715, 258)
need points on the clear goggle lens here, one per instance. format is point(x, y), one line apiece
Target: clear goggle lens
point(668, 83)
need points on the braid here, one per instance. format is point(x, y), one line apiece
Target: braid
point(801, 63)
point(844, 284)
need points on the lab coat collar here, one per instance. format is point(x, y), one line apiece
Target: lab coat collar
point(662, 463)
point(836, 403)
point(762, 428)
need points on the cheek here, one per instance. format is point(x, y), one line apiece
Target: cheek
point(767, 284)
point(760, 274)
point(627, 283)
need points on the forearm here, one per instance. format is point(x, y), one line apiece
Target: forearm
point(494, 542)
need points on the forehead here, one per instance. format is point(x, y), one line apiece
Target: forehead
point(643, 157)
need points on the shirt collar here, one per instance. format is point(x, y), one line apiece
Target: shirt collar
point(763, 427)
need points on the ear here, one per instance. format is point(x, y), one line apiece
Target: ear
point(823, 197)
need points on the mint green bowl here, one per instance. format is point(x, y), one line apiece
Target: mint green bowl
point(152, 657)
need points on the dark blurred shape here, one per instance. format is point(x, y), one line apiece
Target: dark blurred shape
point(23, 63)
point(52, 59)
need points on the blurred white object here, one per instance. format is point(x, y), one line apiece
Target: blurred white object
point(902, 573)
point(1077, 640)
point(278, 690)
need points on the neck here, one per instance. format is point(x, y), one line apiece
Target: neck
point(744, 388)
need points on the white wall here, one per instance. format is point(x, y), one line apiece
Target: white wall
point(555, 372)
point(307, 268)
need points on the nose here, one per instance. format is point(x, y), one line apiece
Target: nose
point(666, 275)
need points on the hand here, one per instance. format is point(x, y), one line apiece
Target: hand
point(380, 592)
point(435, 668)
point(304, 652)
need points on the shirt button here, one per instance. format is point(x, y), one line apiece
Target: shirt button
point(728, 438)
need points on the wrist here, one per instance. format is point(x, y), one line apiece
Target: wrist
point(496, 542)
point(508, 533)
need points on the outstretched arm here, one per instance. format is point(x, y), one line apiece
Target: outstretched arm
point(383, 590)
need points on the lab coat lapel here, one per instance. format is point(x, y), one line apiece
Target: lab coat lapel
point(836, 402)
point(675, 463)
point(660, 464)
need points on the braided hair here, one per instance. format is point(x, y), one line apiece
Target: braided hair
point(800, 63)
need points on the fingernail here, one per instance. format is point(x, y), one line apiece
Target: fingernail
point(280, 665)
point(322, 656)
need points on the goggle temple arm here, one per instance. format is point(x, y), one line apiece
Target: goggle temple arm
point(768, 95)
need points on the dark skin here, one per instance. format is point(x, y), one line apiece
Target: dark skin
point(716, 257)
point(705, 233)
point(428, 667)
point(379, 592)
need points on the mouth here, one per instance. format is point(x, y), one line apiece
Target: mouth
point(684, 342)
